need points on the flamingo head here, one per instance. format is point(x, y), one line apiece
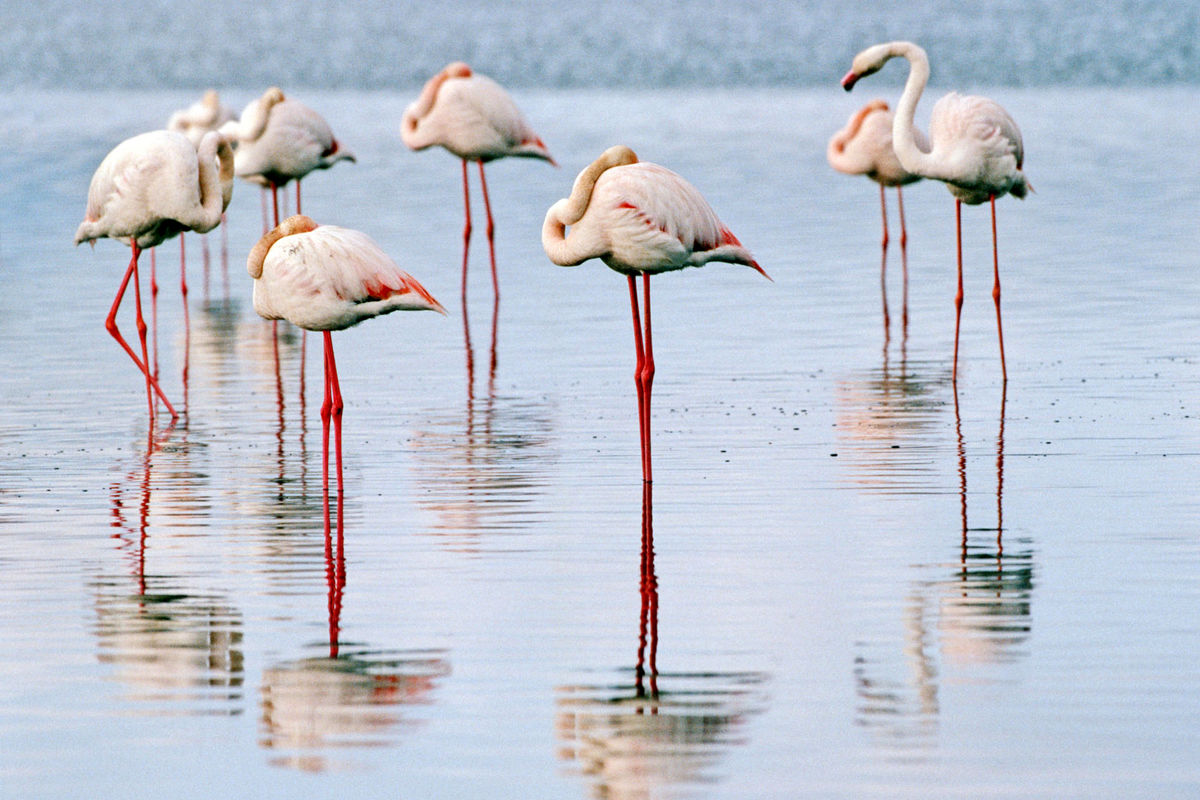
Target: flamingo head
point(868, 62)
point(297, 223)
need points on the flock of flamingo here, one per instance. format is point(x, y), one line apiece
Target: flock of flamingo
point(639, 218)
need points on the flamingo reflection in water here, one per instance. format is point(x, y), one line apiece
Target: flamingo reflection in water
point(175, 650)
point(974, 612)
point(667, 729)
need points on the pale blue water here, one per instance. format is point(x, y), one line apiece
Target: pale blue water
point(862, 587)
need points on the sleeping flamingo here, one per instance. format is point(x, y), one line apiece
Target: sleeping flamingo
point(325, 278)
point(975, 149)
point(639, 219)
point(472, 116)
point(864, 147)
point(147, 189)
point(280, 140)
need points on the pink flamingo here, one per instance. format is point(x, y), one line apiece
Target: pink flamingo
point(475, 119)
point(864, 147)
point(975, 149)
point(639, 219)
point(146, 190)
point(326, 278)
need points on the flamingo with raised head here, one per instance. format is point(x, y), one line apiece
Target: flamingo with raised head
point(975, 149)
point(471, 116)
point(147, 189)
point(864, 147)
point(639, 219)
point(326, 278)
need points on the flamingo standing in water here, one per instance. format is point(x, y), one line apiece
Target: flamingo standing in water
point(279, 140)
point(147, 189)
point(864, 147)
point(975, 149)
point(325, 278)
point(206, 114)
point(639, 219)
point(475, 119)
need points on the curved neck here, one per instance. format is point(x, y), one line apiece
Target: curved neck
point(422, 105)
point(904, 139)
point(297, 223)
point(216, 189)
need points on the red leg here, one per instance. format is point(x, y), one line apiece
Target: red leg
point(637, 373)
point(335, 391)
point(466, 231)
point(647, 371)
point(187, 322)
point(903, 254)
point(110, 324)
point(275, 201)
point(887, 321)
point(298, 211)
point(491, 228)
point(154, 310)
point(326, 417)
point(996, 290)
point(958, 298)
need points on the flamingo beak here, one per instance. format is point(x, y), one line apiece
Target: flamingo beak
point(849, 80)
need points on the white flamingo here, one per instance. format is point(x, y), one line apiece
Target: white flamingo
point(975, 148)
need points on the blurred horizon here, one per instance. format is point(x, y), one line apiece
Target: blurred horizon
point(171, 44)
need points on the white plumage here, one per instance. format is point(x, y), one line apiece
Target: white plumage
point(327, 278)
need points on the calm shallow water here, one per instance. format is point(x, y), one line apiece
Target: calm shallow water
point(859, 585)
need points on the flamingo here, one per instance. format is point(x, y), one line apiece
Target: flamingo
point(206, 114)
point(975, 149)
point(279, 140)
point(639, 219)
point(147, 189)
point(326, 278)
point(864, 147)
point(472, 116)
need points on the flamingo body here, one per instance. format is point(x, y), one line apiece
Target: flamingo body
point(864, 147)
point(638, 217)
point(155, 185)
point(328, 278)
point(279, 140)
point(471, 116)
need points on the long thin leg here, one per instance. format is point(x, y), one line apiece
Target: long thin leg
point(491, 228)
point(958, 298)
point(903, 255)
point(110, 324)
point(224, 256)
point(326, 415)
point(187, 320)
point(637, 373)
point(466, 231)
point(154, 310)
point(298, 211)
point(996, 290)
point(647, 371)
point(887, 322)
point(335, 389)
point(275, 202)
